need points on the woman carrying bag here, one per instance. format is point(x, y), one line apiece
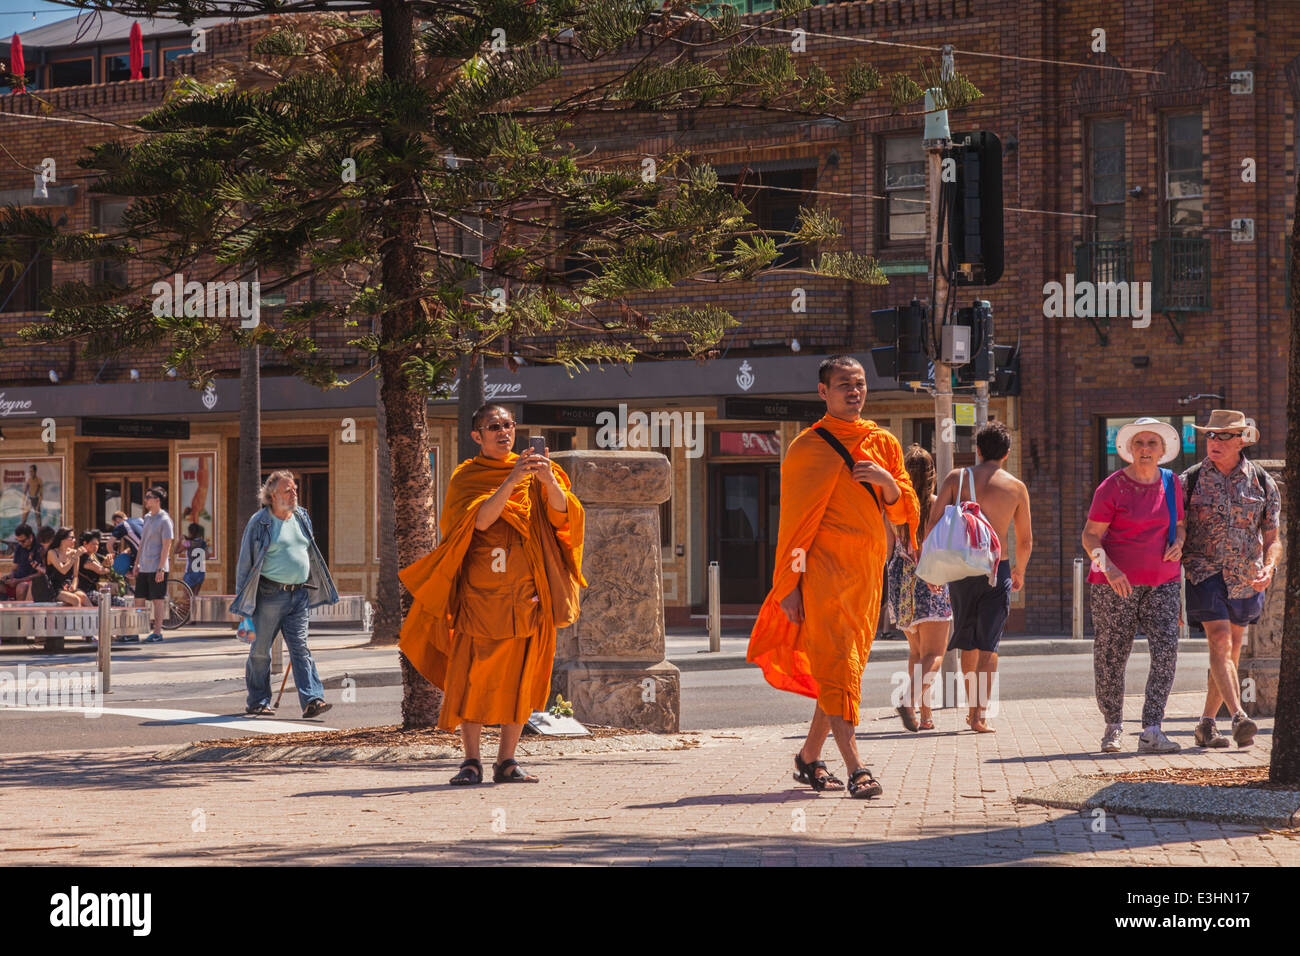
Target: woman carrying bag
point(1134, 535)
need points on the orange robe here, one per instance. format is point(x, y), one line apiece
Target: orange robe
point(832, 541)
point(481, 625)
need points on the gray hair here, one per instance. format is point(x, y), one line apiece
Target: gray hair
point(272, 482)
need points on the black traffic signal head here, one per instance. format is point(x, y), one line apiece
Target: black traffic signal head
point(975, 230)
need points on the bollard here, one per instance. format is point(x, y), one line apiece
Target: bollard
point(715, 607)
point(1185, 629)
point(1080, 582)
point(105, 635)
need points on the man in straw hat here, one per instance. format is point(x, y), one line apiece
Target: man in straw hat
point(1231, 551)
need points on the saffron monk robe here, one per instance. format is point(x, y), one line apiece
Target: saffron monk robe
point(814, 631)
point(481, 626)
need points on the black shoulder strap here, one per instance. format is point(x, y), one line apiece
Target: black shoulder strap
point(1193, 473)
point(848, 461)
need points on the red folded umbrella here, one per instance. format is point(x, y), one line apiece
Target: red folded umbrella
point(16, 65)
point(137, 53)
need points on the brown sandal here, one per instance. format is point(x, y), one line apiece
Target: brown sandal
point(509, 771)
point(909, 718)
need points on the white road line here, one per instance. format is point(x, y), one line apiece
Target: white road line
point(163, 715)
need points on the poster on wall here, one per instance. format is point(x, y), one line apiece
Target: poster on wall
point(31, 493)
point(196, 499)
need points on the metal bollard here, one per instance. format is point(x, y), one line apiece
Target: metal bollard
point(715, 607)
point(105, 635)
point(1080, 581)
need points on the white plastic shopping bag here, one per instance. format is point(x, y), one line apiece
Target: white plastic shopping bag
point(961, 544)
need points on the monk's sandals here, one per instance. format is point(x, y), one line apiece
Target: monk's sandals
point(807, 773)
point(471, 772)
point(862, 784)
point(509, 771)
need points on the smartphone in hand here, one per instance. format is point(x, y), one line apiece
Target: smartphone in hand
point(537, 444)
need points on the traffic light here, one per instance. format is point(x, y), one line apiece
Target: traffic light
point(1007, 369)
point(975, 230)
point(904, 357)
point(982, 366)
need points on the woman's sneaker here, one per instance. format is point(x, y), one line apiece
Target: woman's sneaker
point(1243, 730)
point(1154, 741)
point(1110, 740)
point(1207, 734)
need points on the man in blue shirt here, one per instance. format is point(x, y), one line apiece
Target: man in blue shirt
point(19, 579)
point(152, 560)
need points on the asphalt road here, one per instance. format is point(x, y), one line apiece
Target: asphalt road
point(162, 714)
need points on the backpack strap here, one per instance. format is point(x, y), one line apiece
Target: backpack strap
point(1167, 477)
point(848, 461)
point(1193, 474)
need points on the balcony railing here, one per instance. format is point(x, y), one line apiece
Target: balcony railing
point(1180, 274)
point(1109, 260)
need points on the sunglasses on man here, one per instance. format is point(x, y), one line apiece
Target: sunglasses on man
point(1222, 436)
point(498, 427)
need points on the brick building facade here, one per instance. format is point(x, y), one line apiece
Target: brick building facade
point(1119, 165)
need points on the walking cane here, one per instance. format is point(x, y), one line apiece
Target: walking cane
point(283, 682)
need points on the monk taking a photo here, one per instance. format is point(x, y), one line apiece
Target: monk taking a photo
point(488, 599)
point(815, 629)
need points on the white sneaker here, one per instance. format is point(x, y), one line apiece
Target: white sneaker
point(1110, 740)
point(1154, 741)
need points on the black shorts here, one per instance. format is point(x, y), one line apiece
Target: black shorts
point(146, 588)
point(980, 610)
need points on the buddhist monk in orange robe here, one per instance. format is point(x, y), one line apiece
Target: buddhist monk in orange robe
point(815, 629)
point(481, 626)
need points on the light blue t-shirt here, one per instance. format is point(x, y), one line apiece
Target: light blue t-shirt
point(157, 529)
point(287, 560)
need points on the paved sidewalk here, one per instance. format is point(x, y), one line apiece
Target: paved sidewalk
point(948, 801)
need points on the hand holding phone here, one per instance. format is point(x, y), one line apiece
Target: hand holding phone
point(538, 445)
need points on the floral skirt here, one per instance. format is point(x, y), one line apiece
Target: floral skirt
point(910, 600)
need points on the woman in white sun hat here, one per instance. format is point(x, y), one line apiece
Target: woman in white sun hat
point(1134, 535)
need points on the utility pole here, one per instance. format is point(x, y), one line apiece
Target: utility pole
point(935, 140)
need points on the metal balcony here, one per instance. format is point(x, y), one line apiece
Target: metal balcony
point(1180, 274)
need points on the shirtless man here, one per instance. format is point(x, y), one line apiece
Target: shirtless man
point(980, 610)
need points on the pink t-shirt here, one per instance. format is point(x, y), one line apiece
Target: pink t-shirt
point(1138, 534)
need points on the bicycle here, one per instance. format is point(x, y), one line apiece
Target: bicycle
point(180, 604)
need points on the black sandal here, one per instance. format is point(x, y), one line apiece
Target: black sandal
point(509, 771)
point(869, 788)
point(471, 772)
point(807, 773)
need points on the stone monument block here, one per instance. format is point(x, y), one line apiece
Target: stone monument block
point(611, 662)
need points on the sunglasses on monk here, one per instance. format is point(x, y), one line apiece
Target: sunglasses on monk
point(1222, 436)
point(498, 427)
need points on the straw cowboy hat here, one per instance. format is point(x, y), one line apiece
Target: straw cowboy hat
point(1163, 429)
point(1224, 419)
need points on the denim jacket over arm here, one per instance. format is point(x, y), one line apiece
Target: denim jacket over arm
point(252, 551)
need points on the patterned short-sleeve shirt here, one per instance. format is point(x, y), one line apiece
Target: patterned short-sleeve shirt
point(1227, 516)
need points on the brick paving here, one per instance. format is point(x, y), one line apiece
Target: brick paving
point(949, 800)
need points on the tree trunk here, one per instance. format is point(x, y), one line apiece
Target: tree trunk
point(1285, 764)
point(250, 436)
point(388, 614)
point(404, 405)
point(470, 395)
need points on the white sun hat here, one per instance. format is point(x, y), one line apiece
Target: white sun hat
point(1163, 429)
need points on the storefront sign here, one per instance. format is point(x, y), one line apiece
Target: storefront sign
point(768, 409)
point(13, 407)
point(577, 416)
point(747, 443)
point(133, 428)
